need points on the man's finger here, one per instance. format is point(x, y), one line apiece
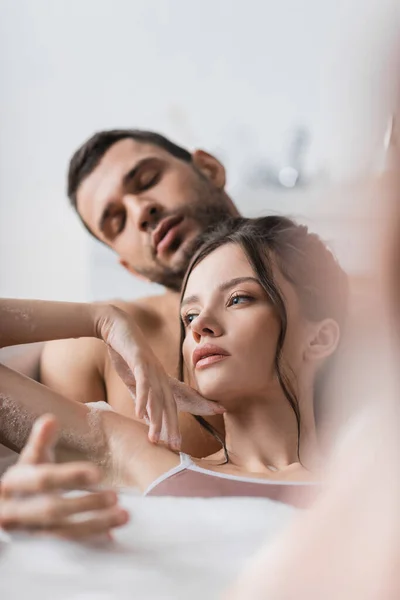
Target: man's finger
point(42, 439)
point(196, 405)
point(155, 411)
point(32, 479)
point(188, 400)
point(142, 393)
point(172, 421)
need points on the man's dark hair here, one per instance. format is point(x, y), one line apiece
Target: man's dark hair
point(88, 156)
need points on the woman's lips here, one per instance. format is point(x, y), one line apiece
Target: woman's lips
point(207, 355)
point(209, 360)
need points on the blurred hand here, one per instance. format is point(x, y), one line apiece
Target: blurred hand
point(347, 545)
point(31, 492)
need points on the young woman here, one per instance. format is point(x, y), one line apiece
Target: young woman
point(262, 307)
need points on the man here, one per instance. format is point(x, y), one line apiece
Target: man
point(149, 200)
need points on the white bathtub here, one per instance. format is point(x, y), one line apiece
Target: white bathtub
point(178, 548)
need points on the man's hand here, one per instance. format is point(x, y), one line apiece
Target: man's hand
point(157, 396)
point(31, 492)
point(189, 400)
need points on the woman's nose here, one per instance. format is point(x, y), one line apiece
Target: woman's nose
point(205, 326)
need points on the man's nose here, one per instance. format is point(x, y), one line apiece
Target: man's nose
point(145, 215)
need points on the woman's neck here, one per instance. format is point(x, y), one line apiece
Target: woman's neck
point(261, 434)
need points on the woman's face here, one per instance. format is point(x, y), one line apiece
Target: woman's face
point(232, 328)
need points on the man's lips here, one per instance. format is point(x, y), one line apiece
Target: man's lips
point(208, 355)
point(165, 232)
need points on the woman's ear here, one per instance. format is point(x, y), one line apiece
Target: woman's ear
point(323, 340)
point(127, 266)
point(210, 167)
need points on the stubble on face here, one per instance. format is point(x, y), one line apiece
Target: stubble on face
point(206, 208)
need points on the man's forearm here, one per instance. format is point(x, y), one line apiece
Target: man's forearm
point(27, 321)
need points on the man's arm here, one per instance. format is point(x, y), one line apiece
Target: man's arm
point(75, 368)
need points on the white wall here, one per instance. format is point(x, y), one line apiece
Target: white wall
point(228, 75)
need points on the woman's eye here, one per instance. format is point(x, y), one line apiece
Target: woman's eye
point(239, 299)
point(188, 319)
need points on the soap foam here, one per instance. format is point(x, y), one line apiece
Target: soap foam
point(16, 423)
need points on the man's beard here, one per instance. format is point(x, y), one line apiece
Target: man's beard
point(209, 207)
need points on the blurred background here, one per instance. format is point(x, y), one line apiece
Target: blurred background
point(281, 92)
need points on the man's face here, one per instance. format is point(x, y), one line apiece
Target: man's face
point(150, 208)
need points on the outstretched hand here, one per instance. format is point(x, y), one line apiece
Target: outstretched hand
point(31, 492)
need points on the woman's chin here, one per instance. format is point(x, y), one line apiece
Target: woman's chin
point(216, 391)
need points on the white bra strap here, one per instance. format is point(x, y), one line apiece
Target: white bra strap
point(186, 461)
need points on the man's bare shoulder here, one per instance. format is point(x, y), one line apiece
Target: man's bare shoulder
point(80, 346)
point(149, 312)
point(74, 368)
point(80, 352)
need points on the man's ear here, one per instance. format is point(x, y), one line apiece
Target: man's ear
point(210, 167)
point(131, 270)
point(323, 341)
